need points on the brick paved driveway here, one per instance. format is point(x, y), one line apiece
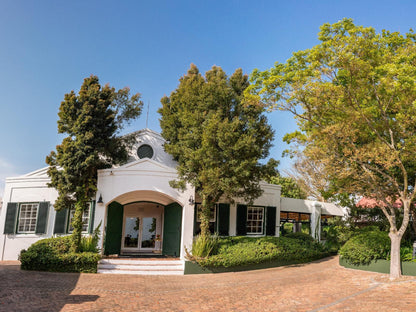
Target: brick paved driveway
point(318, 286)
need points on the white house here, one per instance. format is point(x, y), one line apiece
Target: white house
point(138, 212)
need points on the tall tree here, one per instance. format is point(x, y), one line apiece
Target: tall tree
point(290, 187)
point(310, 177)
point(353, 96)
point(216, 140)
point(92, 120)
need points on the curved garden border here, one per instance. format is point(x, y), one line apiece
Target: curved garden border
point(194, 268)
point(381, 266)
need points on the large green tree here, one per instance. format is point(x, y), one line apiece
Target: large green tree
point(215, 138)
point(91, 120)
point(354, 97)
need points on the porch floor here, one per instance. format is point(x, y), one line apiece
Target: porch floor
point(141, 265)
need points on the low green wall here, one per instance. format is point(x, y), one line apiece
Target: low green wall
point(381, 266)
point(195, 268)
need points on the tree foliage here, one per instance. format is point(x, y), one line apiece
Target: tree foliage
point(310, 176)
point(216, 139)
point(91, 120)
point(290, 187)
point(354, 99)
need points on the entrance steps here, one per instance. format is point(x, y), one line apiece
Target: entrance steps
point(144, 266)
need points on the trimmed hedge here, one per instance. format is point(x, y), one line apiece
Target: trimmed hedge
point(365, 247)
point(241, 251)
point(52, 254)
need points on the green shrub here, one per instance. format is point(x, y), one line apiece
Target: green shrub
point(238, 251)
point(406, 253)
point(365, 247)
point(337, 233)
point(90, 243)
point(52, 254)
point(203, 246)
point(301, 236)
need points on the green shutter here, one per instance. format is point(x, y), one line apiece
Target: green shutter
point(114, 228)
point(223, 219)
point(172, 225)
point(11, 213)
point(216, 219)
point(61, 220)
point(92, 215)
point(270, 221)
point(241, 220)
point(196, 226)
point(42, 222)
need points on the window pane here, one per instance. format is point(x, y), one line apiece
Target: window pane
point(148, 233)
point(132, 226)
point(212, 213)
point(85, 219)
point(27, 218)
point(255, 220)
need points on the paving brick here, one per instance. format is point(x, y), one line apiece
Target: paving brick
point(319, 286)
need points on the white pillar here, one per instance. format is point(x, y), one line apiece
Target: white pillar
point(233, 219)
point(187, 231)
point(316, 220)
point(277, 233)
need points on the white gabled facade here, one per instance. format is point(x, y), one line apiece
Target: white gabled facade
point(145, 180)
point(137, 210)
point(28, 188)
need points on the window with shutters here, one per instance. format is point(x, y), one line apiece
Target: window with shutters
point(85, 219)
point(255, 220)
point(28, 214)
point(212, 213)
point(212, 219)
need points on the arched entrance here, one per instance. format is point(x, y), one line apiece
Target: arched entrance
point(143, 223)
point(142, 228)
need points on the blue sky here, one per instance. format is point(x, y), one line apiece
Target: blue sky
point(47, 48)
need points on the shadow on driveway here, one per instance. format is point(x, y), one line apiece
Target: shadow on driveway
point(37, 291)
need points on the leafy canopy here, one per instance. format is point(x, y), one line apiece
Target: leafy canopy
point(290, 187)
point(215, 138)
point(354, 99)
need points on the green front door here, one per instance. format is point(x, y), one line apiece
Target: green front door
point(114, 229)
point(172, 230)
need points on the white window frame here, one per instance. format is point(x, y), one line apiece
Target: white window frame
point(30, 218)
point(256, 220)
point(71, 215)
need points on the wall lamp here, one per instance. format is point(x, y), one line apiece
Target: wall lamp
point(100, 199)
point(191, 200)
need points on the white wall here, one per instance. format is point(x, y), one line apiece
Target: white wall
point(29, 188)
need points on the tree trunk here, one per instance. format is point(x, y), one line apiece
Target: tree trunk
point(77, 225)
point(395, 265)
point(205, 216)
